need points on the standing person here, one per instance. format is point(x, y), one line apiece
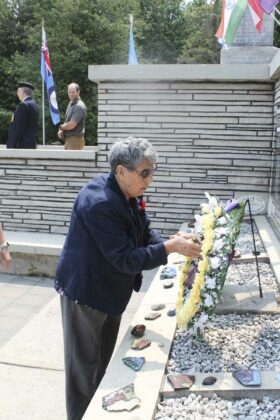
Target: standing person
point(24, 124)
point(73, 129)
point(108, 244)
point(4, 250)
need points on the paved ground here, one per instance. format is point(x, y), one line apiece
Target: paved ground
point(31, 361)
point(21, 298)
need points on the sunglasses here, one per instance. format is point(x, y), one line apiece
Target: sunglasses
point(145, 172)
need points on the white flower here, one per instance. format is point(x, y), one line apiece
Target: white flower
point(200, 322)
point(212, 202)
point(210, 283)
point(208, 300)
point(221, 231)
point(198, 227)
point(222, 221)
point(218, 245)
point(215, 262)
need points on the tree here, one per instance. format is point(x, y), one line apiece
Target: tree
point(83, 32)
point(201, 45)
point(162, 31)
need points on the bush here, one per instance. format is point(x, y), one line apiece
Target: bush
point(5, 119)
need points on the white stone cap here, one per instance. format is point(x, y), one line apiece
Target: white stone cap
point(35, 242)
point(50, 152)
point(179, 72)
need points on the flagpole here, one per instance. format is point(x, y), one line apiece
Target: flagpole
point(273, 17)
point(43, 99)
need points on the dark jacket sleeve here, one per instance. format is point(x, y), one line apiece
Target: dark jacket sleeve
point(150, 236)
point(109, 229)
point(18, 126)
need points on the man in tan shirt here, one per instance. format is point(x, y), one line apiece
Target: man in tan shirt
point(73, 129)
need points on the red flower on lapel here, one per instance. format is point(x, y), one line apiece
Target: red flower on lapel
point(142, 205)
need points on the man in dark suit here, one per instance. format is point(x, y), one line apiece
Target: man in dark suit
point(23, 127)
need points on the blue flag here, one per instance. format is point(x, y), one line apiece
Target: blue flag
point(46, 73)
point(132, 57)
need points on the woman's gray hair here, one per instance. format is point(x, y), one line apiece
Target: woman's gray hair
point(130, 153)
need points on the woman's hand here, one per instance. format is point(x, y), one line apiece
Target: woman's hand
point(183, 245)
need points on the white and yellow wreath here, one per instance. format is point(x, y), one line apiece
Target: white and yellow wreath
point(219, 227)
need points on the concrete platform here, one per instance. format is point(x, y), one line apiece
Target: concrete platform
point(34, 254)
point(228, 387)
point(35, 243)
point(271, 244)
point(244, 298)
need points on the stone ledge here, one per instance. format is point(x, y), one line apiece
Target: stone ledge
point(246, 298)
point(35, 243)
point(49, 152)
point(271, 244)
point(34, 254)
point(227, 387)
point(179, 72)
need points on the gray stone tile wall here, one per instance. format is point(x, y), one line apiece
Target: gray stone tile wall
point(37, 195)
point(213, 137)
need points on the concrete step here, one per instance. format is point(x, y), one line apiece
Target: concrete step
point(34, 254)
point(35, 243)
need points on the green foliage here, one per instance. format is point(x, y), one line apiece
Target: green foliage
point(276, 41)
point(83, 32)
point(202, 20)
point(5, 119)
point(163, 29)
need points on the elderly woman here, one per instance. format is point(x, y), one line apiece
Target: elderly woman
point(4, 250)
point(108, 245)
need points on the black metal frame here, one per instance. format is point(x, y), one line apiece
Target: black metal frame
point(255, 252)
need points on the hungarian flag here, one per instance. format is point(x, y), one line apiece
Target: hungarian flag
point(256, 13)
point(46, 73)
point(232, 14)
point(228, 6)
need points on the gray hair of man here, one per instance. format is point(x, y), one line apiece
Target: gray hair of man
point(130, 153)
point(27, 91)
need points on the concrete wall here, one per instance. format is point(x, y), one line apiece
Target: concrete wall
point(213, 137)
point(37, 187)
point(274, 200)
point(211, 124)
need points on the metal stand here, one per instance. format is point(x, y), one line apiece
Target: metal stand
point(255, 252)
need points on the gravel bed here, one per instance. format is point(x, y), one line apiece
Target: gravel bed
point(246, 273)
point(245, 239)
point(196, 407)
point(229, 342)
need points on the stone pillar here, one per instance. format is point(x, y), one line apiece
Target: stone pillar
point(251, 46)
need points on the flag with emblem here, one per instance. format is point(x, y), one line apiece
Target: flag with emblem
point(46, 73)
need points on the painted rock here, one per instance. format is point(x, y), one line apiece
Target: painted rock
point(171, 312)
point(152, 316)
point(158, 307)
point(210, 380)
point(168, 284)
point(138, 330)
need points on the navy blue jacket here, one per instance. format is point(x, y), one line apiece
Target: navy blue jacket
point(108, 244)
point(22, 130)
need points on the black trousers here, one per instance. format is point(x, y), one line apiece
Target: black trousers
point(89, 340)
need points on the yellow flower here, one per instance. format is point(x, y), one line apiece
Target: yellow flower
point(208, 221)
point(203, 267)
point(218, 211)
point(207, 245)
